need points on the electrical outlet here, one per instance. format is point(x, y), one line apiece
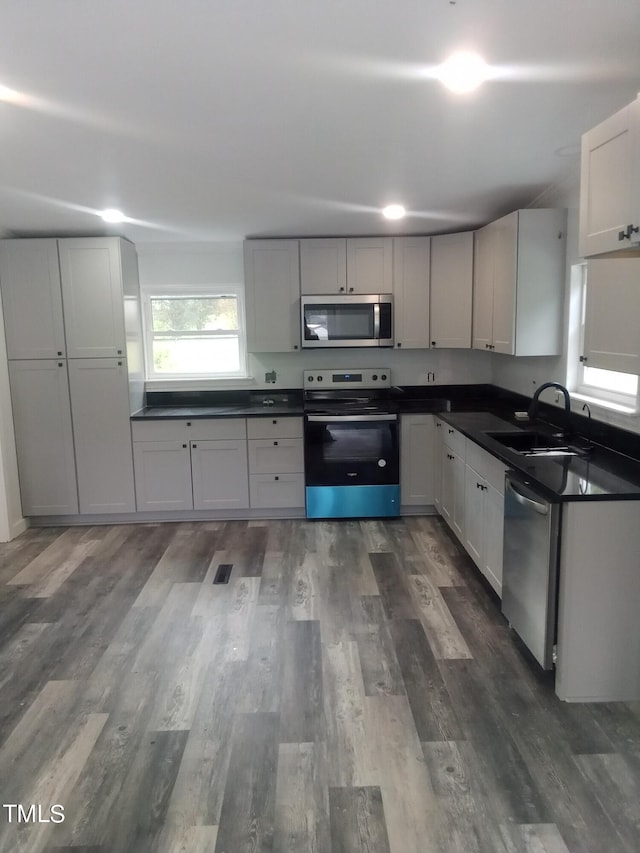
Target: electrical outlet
point(270, 376)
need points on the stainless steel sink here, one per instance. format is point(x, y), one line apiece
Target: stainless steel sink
point(534, 443)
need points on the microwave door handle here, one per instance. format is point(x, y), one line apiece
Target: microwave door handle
point(376, 321)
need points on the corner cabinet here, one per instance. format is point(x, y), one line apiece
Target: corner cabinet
point(518, 291)
point(272, 295)
point(610, 184)
point(451, 290)
point(411, 274)
point(611, 329)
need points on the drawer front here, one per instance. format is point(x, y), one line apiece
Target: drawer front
point(486, 465)
point(274, 427)
point(454, 439)
point(276, 456)
point(199, 429)
point(276, 490)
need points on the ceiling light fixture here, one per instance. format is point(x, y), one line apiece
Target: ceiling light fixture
point(112, 215)
point(10, 96)
point(463, 72)
point(394, 211)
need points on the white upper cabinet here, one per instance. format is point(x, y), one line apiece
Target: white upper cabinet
point(272, 292)
point(323, 266)
point(519, 283)
point(32, 299)
point(610, 184)
point(411, 271)
point(451, 290)
point(611, 330)
point(346, 265)
point(93, 297)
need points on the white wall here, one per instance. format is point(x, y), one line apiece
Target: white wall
point(222, 263)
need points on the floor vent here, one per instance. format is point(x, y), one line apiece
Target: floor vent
point(224, 573)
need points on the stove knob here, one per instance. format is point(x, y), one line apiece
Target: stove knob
point(319, 378)
point(383, 377)
point(310, 379)
point(374, 377)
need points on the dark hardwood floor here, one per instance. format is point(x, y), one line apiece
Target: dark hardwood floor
point(354, 687)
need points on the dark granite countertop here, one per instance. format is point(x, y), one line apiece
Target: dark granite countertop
point(158, 413)
point(601, 475)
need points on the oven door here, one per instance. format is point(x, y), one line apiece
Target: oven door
point(351, 465)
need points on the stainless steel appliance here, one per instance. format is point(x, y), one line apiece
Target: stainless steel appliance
point(530, 571)
point(354, 320)
point(351, 444)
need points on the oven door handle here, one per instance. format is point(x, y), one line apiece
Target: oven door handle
point(329, 419)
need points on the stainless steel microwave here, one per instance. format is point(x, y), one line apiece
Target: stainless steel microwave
point(356, 320)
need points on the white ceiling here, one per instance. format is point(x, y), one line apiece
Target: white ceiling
point(220, 119)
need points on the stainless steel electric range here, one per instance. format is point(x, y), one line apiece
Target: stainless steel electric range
point(351, 444)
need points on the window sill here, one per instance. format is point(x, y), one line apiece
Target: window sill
point(198, 384)
point(609, 406)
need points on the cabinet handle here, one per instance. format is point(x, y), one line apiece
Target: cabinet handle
point(119, 352)
point(350, 290)
point(60, 364)
point(59, 352)
point(626, 235)
point(275, 443)
point(194, 446)
point(188, 423)
point(583, 358)
point(399, 344)
point(119, 364)
point(450, 432)
point(341, 289)
point(276, 477)
point(295, 346)
point(433, 343)
point(184, 445)
point(274, 422)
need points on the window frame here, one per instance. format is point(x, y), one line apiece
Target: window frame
point(620, 401)
point(186, 291)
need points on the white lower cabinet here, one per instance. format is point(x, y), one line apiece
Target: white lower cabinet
point(416, 460)
point(190, 464)
point(437, 463)
point(276, 463)
point(471, 499)
point(44, 438)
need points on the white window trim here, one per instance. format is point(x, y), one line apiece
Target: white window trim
point(623, 404)
point(202, 380)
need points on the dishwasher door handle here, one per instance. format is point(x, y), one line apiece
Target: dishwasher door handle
point(540, 508)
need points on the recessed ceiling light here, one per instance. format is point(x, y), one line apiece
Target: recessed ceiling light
point(463, 72)
point(394, 211)
point(10, 96)
point(112, 215)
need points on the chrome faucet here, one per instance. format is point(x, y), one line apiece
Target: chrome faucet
point(533, 408)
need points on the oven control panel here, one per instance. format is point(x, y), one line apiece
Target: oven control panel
point(358, 377)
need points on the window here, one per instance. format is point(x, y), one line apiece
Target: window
point(194, 333)
point(618, 389)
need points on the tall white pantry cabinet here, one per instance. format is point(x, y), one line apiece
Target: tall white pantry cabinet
point(74, 343)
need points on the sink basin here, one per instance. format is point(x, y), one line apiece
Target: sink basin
point(534, 443)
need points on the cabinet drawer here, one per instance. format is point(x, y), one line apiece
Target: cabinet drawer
point(486, 465)
point(276, 490)
point(274, 428)
point(200, 429)
point(277, 456)
point(454, 439)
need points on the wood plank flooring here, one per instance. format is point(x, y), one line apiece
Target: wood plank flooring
point(353, 687)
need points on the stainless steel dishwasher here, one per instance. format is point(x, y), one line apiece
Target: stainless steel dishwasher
point(530, 572)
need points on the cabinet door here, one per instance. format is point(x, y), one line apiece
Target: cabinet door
point(323, 266)
point(491, 566)
point(220, 475)
point(92, 295)
point(272, 292)
point(370, 265)
point(416, 460)
point(483, 259)
point(451, 290)
point(163, 475)
point(610, 183)
point(102, 432)
point(458, 520)
point(437, 464)
point(612, 332)
point(504, 283)
point(32, 299)
point(448, 485)
point(44, 437)
point(411, 271)
point(474, 513)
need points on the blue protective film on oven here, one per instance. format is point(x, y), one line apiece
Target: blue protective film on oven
point(353, 501)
